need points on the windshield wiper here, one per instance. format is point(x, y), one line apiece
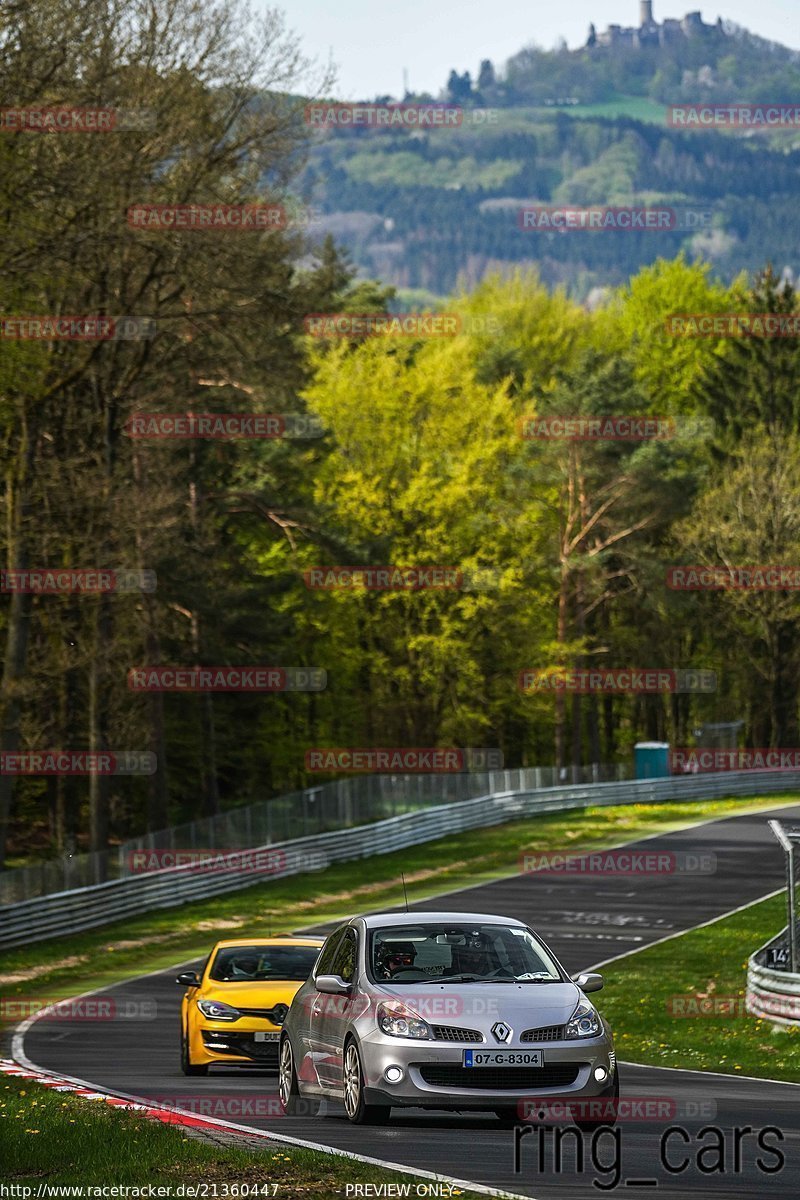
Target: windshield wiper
point(505, 979)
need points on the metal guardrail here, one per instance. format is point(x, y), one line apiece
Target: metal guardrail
point(336, 805)
point(87, 908)
point(772, 994)
point(773, 979)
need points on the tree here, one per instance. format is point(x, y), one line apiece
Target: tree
point(216, 86)
point(750, 516)
point(486, 75)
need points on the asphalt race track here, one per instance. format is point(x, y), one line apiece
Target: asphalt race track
point(587, 920)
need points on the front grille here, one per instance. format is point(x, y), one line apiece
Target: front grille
point(267, 1014)
point(548, 1033)
point(451, 1033)
point(496, 1079)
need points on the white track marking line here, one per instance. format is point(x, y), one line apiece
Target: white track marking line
point(668, 938)
point(18, 1053)
point(716, 1074)
point(689, 929)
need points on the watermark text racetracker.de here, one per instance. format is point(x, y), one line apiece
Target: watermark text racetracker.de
point(205, 218)
point(733, 116)
point(733, 325)
point(434, 1005)
point(599, 218)
point(621, 428)
point(88, 581)
point(699, 758)
point(261, 861)
point(769, 577)
point(410, 324)
point(323, 115)
point(81, 1008)
point(263, 1105)
point(623, 862)
point(624, 1109)
point(617, 680)
point(85, 328)
point(72, 119)
point(77, 762)
point(713, 1006)
point(227, 679)
point(403, 759)
point(223, 426)
point(205, 1190)
point(395, 578)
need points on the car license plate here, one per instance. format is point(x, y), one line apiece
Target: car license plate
point(503, 1058)
point(266, 1037)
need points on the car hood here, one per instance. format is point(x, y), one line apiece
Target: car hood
point(262, 994)
point(479, 1005)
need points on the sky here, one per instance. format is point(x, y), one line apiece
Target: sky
point(372, 43)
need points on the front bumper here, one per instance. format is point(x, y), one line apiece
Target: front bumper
point(434, 1077)
point(237, 1045)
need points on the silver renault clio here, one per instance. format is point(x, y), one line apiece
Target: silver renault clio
point(444, 1010)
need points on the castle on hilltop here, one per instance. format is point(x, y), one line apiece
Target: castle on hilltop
point(649, 32)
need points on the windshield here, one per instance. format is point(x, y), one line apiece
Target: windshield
point(257, 963)
point(459, 953)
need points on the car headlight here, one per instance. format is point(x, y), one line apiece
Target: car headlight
point(399, 1021)
point(584, 1022)
point(216, 1010)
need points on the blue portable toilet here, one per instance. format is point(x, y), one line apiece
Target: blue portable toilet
point(651, 760)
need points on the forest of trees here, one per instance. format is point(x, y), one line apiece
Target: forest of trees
point(422, 462)
point(442, 207)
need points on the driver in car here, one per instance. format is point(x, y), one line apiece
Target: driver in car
point(392, 958)
point(244, 968)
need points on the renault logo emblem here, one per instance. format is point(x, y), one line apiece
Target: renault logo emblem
point(501, 1031)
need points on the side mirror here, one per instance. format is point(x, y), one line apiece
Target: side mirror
point(589, 981)
point(188, 979)
point(333, 985)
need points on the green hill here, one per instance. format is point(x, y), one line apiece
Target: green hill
point(427, 209)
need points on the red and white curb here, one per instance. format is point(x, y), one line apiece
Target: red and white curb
point(155, 1112)
point(183, 1119)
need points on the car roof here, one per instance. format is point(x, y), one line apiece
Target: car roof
point(371, 920)
point(280, 940)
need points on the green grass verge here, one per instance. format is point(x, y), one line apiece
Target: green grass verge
point(687, 973)
point(65, 966)
point(639, 108)
point(57, 1138)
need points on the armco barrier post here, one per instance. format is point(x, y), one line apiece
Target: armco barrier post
point(787, 842)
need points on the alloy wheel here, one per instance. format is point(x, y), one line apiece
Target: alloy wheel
point(286, 1071)
point(352, 1080)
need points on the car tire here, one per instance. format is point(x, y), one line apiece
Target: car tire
point(187, 1066)
point(612, 1099)
point(356, 1108)
point(291, 1101)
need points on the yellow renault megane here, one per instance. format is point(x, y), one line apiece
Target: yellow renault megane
point(233, 1009)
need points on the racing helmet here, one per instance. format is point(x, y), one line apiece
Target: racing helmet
point(394, 956)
